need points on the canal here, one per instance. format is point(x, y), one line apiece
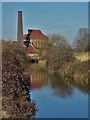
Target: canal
point(55, 97)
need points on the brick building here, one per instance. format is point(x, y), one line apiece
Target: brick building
point(36, 38)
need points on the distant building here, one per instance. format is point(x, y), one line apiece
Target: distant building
point(36, 38)
point(33, 40)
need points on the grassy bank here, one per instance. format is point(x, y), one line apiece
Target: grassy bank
point(15, 84)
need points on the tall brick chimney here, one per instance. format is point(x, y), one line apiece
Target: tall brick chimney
point(20, 27)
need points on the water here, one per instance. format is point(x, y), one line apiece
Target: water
point(56, 98)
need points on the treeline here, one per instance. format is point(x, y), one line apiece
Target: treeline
point(59, 52)
point(60, 56)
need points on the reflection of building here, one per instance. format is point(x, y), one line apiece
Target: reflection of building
point(37, 38)
point(38, 78)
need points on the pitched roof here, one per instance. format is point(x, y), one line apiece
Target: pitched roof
point(36, 34)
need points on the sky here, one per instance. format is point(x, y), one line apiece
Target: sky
point(64, 18)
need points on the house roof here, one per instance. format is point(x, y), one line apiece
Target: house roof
point(36, 34)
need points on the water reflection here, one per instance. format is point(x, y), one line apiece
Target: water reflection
point(60, 87)
point(39, 77)
point(56, 97)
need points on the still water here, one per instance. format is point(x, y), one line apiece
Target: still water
point(57, 98)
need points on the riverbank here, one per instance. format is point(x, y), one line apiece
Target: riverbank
point(75, 73)
point(16, 101)
point(51, 93)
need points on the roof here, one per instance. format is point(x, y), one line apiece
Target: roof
point(36, 34)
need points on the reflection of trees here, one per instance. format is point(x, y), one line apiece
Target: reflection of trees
point(60, 86)
point(82, 81)
point(64, 88)
point(83, 88)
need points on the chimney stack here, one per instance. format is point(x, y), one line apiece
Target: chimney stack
point(20, 27)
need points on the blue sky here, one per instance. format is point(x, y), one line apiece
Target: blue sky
point(64, 18)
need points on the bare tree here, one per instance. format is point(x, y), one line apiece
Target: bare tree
point(59, 53)
point(57, 40)
point(82, 40)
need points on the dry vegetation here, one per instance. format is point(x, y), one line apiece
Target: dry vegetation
point(61, 59)
point(15, 85)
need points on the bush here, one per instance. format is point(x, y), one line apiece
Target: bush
point(15, 84)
